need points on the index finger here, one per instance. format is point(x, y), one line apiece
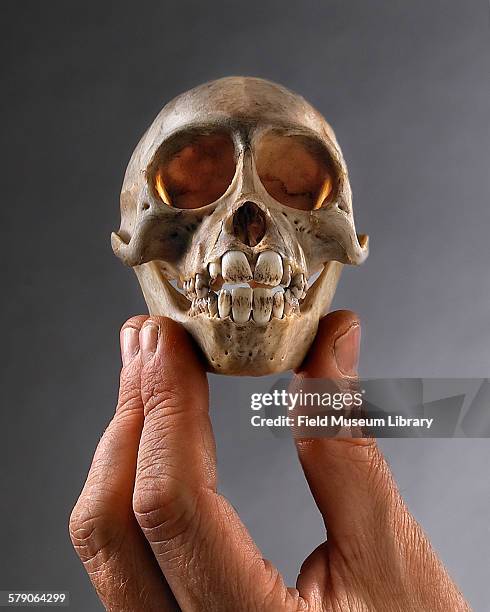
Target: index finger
point(103, 529)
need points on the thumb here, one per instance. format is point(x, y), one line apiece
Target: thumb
point(348, 477)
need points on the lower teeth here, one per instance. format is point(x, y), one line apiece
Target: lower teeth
point(243, 304)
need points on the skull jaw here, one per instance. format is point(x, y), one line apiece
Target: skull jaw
point(250, 349)
point(245, 349)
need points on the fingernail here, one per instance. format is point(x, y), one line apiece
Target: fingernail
point(148, 340)
point(130, 344)
point(346, 350)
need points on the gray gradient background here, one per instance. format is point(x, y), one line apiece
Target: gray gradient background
point(405, 85)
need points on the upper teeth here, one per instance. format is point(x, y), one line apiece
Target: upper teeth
point(286, 277)
point(235, 267)
point(214, 270)
point(243, 303)
point(298, 285)
point(268, 269)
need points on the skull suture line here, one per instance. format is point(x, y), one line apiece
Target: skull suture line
point(236, 195)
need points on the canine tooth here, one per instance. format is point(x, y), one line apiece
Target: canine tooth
point(241, 304)
point(214, 270)
point(268, 269)
point(278, 304)
point(212, 304)
point(262, 305)
point(201, 286)
point(224, 303)
point(235, 267)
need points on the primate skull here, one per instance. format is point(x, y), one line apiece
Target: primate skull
point(233, 199)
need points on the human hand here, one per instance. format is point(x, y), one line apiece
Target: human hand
point(154, 534)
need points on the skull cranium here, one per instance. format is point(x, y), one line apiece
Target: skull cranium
point(237, 195)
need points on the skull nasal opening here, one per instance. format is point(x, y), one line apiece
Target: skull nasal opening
point(249, 224)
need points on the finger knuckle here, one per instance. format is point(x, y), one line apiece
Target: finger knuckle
point(160, 397)
point(358, 450)
point(129, 400)
point(93, 531)
point(364, 456)
point(162, 509)
point(360, 453)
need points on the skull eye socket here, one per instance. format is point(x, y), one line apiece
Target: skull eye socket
point(196, 171)
point(295, 170)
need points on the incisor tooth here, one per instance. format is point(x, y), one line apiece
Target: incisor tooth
point(214, 270)
point(235, 267)
point(224, 303)
point(241, 304)
point(268, 269)
point(262, 305)
point(278, 304)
